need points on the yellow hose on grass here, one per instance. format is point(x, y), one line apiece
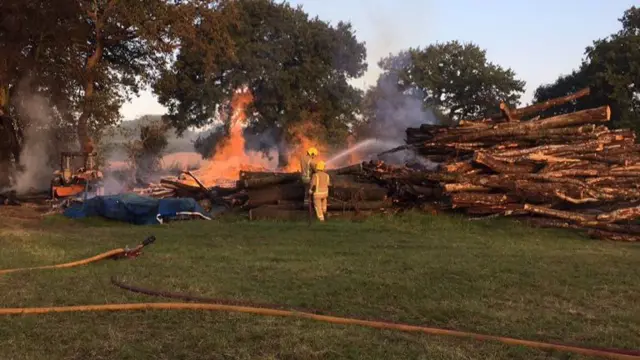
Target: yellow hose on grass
point(105, 255)
point(611, 354)
point(323, 318)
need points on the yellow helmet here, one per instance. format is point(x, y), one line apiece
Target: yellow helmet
point(312, 151)
point(320, 166)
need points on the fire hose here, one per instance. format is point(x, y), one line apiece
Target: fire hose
point(279, 310)
point(111, 254)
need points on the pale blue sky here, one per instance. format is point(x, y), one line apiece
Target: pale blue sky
point(538, 39)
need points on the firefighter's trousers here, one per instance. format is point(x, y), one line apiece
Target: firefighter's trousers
point(320, 204)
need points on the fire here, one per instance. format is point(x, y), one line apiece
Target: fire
point(231, 158)
point(302, 138)
point(230, 155)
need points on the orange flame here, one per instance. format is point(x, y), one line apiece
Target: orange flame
point(233, 146)
point(230, 156)
point(302, 137)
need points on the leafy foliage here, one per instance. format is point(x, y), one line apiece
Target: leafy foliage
point(145, 153)
point(612, 70)
point(454, 79)
point(206, 143)
point(88, 57)
point(296, 68)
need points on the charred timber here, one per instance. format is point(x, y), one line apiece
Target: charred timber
point(179, 185)
point(246, 175)
point(271, 195)
point(265, 181)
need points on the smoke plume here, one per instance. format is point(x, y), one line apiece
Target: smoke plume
point(35, 165)
point(394, 110)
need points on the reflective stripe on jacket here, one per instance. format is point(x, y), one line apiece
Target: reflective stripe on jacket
point(307, 166)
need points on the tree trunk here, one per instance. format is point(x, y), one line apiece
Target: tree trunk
point(462, 200)
point(514, 129)
point(464, 187)
point(502, 166)
point(536, 108)
point(86, 142)
point(283, 155)
point(582, 219)
point(5, 169)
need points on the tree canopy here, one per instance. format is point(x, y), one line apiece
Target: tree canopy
point(612, 70)
point(88, 57)
point(296, 67)
point(453, 79)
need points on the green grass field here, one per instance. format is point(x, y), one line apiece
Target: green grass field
point(494, 277)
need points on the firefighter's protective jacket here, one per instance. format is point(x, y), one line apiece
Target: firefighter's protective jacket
point(320, 182)
point(307, 166)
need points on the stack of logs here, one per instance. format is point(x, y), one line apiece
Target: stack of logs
point(280, 195)
point(568, 170)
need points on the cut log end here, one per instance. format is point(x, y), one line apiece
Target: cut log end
point(608, 112)
point(504, 108)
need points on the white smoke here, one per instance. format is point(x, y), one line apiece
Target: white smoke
point(397, 109)
point(112, 185)
point(35, 171)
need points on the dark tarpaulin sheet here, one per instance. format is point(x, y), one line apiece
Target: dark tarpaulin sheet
point(136, 209)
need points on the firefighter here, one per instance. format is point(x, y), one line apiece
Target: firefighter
point(319, 190)
point(307, 167)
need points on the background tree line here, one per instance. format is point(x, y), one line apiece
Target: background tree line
point(88, 57)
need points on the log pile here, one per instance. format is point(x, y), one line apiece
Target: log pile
point(568, 171)
point(280, 195)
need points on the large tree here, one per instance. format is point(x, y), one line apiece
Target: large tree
point(296, 67)
point(612, 70)
point(453, 79)
point(86, 57)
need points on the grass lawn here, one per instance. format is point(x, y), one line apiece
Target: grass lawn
point(493, 277)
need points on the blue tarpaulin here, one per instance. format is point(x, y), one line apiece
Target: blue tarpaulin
point(136, 209)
